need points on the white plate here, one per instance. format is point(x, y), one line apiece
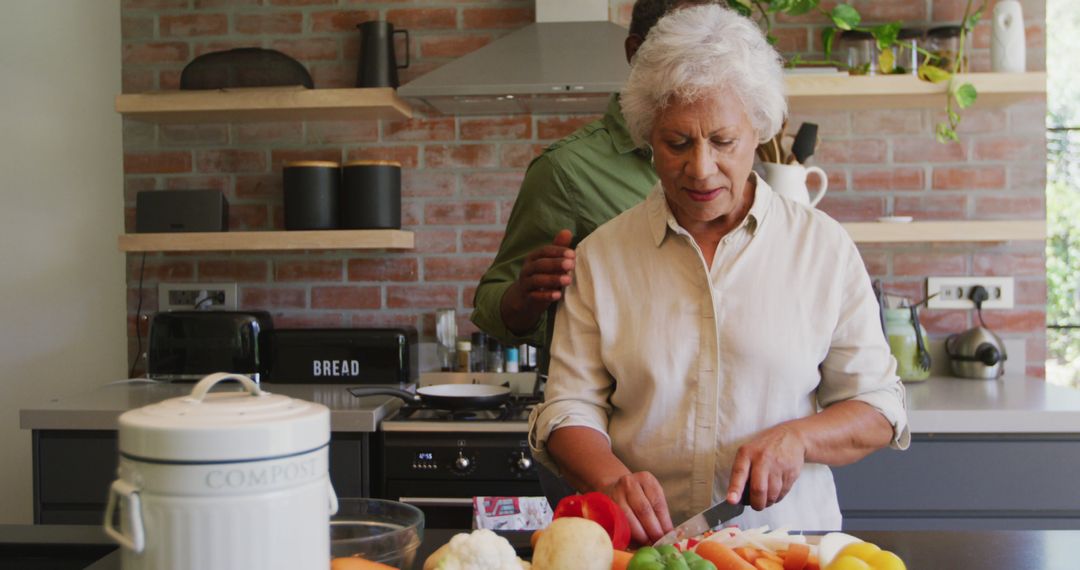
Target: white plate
point(895, 219)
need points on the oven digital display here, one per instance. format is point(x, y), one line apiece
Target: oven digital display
point(425, 456)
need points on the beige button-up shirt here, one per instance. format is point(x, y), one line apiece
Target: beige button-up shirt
point(679, 363)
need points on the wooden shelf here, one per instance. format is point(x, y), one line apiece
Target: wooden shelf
point(264, 104)
point(845, 92)
point(947, 231)
point(268, 241)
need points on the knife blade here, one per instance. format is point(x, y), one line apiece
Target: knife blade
point(708, 519)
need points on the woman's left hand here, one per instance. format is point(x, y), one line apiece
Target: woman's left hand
point(769, 464)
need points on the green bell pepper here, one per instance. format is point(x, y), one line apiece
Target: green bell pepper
point(667, 557)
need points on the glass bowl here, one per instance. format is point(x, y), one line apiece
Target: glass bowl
point(374, 529)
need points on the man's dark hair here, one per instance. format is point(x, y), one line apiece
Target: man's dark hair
point(648, 12)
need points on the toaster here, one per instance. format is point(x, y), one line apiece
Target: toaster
point(387, 356)
point(187, 345)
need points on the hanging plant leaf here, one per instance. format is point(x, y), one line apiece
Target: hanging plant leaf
point(792, 7)
point(885, 34)
point(945, 133)
point(954, 117)
point(973, 19)
point(886, 61)
point(965, 95)
point(741, 6)
point(827, 37)
point(933, 73)
point(845, 17)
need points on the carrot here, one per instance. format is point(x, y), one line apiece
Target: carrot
point(621, 560)
point(747, 553)
point(796, 556)
point(356, 563)
point(766, 563)
point(722, 556)
point(812, 563)
point(772, 556)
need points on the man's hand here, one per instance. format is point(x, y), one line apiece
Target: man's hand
point(544, 274)
point(642, 499)
point(769, 464)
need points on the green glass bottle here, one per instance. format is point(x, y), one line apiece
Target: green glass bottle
point(905, 348)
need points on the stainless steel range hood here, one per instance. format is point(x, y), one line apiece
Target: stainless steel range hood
point(545, 67)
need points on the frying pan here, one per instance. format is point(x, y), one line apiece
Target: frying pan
point(446, 396)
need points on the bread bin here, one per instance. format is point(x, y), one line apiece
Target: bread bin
point(221, 481)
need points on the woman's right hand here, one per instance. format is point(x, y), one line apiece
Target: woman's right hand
point(642, 500)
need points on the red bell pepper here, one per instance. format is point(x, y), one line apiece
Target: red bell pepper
point(600, 509)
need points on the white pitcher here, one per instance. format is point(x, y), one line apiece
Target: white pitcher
point(789, 181)
point(1007, 49)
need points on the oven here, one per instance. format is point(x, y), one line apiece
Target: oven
point(439, 462)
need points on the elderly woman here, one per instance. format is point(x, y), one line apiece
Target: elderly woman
point(716, 336)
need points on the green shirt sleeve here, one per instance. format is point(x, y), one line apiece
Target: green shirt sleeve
point(543, 207)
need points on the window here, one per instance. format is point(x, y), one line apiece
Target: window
point(1063, 194)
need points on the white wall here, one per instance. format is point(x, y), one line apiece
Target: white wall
point(62, 290)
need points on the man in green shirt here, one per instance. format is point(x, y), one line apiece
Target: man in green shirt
point(577, 184)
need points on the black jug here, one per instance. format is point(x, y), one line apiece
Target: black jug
point(378, 64)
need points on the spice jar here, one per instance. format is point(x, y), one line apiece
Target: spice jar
point(495, 356)
point(479, 352)
point(512, 364)
point(464, 356)
point(944, 43)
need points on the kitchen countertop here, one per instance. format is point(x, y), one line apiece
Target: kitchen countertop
point(920, 550)
point(1011, 404)
point(99, 408)
point(940, 405)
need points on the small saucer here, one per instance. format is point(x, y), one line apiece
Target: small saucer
point(895, 219)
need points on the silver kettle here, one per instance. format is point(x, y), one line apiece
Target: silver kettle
point(976, 353)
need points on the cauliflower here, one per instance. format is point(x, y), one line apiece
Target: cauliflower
point(479, 550)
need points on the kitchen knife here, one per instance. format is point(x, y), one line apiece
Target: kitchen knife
point(708, 519)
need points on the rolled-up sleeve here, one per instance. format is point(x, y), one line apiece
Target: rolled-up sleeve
point(859, 365)
point(579, 385)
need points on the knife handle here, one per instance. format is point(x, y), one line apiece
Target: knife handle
point(745, 500)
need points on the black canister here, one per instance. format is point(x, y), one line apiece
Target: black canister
point(371, 195)
point(311, 194)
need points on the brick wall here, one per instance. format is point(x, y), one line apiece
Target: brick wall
point(462, 173)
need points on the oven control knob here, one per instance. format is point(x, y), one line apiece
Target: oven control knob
point(523, 462)
point(462, 463)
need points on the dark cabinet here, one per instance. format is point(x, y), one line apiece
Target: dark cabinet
point(74, 468)
point(965, 482)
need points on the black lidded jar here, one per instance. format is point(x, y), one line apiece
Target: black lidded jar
point(371, 195)
point(311, 194)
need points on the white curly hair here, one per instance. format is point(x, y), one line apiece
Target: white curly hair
point(696, 52)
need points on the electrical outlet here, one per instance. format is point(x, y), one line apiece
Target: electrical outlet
point(955, 292)
point(187, 296)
